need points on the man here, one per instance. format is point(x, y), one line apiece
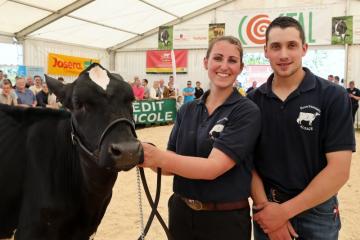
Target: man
point(304, 152)
point(1, 78)
point(330, 78)
point(26, 97)
point(6, 96)
point(29, 82)
point(198, 90)
point(162, 87)
point(138, 90)
point(354, 94)
point(172, 80)
point(188, 92)
point(37, 87)
point(337, 80)
point(145, 83)
point(155, 91)
point(253, 86)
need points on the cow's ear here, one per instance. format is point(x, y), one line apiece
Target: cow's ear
point(62, 91)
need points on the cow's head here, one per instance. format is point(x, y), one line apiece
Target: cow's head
point(101, 106)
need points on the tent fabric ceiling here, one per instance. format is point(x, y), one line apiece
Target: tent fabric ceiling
point(100, 23)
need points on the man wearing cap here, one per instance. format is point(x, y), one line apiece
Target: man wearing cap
point(188, 92)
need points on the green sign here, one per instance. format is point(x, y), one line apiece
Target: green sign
point(154, 111)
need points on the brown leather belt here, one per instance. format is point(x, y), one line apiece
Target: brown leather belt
point(213, 206)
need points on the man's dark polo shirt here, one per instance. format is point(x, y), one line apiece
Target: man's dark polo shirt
point(355, 92)
point(296, 134)
point(233, 129)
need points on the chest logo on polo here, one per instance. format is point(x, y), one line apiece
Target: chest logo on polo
point(307, 116)
point(217, 128)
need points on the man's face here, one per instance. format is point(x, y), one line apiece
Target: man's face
point(137, 82)
point(29, 80)
point(161, 82)
point(6, 89)
point(198, 84)
point(38, 82)
point(285, 50)
point(351, 85)
point(20, 84)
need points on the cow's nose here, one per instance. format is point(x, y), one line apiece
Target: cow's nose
point(115, 150)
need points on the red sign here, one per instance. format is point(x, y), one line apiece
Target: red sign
point(159, 61)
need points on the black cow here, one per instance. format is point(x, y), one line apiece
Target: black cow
point(51, 188)
point(340, 30)
point(164, 37)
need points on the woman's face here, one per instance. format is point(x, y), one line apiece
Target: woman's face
point(224, 64)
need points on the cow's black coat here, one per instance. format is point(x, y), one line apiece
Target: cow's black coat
point(49, 188)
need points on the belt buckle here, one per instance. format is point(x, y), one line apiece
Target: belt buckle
point(273, 195)
point(195, 204)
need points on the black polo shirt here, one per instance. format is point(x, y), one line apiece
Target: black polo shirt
point(233, 129)
point(296, 134)
point(355, 92)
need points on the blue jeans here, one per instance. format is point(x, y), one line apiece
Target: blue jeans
point(318, 223)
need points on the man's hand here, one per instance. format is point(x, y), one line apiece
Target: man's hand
point(271, 216)
point(285, 232)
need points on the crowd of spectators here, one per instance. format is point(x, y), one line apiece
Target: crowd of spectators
point(27, 92)
point(160, 90)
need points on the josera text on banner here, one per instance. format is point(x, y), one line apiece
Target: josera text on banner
point(68, 65)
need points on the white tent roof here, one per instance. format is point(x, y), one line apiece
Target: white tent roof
point(95, 23)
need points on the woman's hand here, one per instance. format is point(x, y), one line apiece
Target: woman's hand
point(152, 156)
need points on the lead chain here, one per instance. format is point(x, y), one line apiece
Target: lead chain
point(140, 204)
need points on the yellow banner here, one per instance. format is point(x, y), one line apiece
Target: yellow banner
point(68, 65)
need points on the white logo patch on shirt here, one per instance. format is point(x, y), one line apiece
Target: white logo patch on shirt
point(307, 117)
point(99, 76)
point(217, 128)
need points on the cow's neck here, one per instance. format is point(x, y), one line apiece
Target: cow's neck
point(97, 189)
point(97, 181)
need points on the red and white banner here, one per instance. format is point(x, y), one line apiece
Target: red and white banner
point(159, 61)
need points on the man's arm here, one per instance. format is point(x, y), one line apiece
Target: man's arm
point(258, 194)
point(260, 200)
point(325, 185)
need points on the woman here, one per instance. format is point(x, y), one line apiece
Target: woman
point(210, 154)
point(45, 98)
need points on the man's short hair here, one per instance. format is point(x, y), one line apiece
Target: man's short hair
point(145, 80)
point(352, 82)
point(285, 22)
point(61, 79)
point(188, 82)
point(7, 82)
point(337, 78)
point(37, 76)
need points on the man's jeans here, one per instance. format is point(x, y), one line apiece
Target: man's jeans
point(319, 223)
